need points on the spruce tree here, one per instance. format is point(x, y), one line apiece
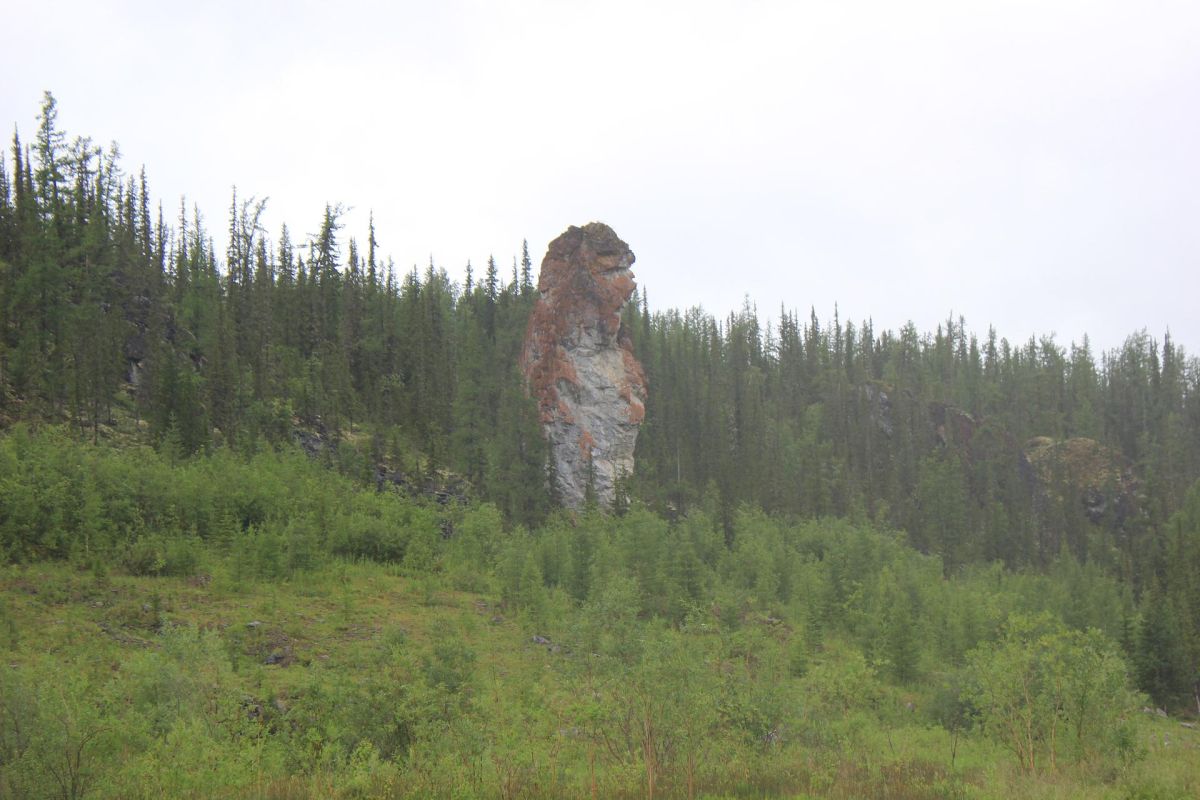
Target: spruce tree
point(526, 268)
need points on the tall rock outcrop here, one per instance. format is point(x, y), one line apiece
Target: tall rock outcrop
point(579, 364)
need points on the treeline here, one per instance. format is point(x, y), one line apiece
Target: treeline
point(928, 433)
point(100, 291)
point(99, 287)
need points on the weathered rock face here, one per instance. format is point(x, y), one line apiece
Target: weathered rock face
point(1085, 471)
point(579, 364)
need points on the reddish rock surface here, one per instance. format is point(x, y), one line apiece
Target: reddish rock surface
point(579, 364)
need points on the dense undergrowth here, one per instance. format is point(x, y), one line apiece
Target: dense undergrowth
point(237, 625)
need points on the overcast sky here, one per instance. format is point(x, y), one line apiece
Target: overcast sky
point(1029, 165)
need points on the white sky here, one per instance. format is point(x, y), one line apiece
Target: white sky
point(1030, 165)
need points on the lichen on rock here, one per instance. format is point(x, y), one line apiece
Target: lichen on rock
point(579, 364)
point(1102, 479)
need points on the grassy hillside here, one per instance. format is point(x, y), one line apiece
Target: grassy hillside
point(359, 682)
point(257, 626)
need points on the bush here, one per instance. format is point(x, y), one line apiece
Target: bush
point(54, 738)
point(1044, 691)
point(363, 536)
point(159, 555)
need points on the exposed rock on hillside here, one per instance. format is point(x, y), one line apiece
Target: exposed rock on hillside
point(952, 426)
point(579, 364)
point(1100, 478)
point(879, 404)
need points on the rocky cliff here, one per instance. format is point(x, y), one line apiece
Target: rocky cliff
point(579, 364)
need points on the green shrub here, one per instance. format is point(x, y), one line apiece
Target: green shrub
point(159, 555)
point(1045, 692)
point(359, 535)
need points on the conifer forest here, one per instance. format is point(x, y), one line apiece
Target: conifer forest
point(280, 521)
